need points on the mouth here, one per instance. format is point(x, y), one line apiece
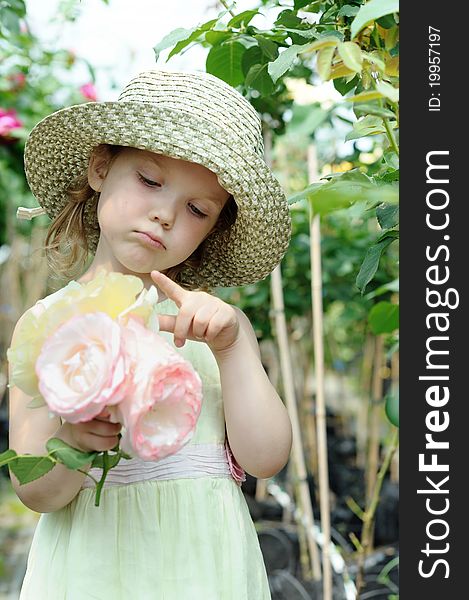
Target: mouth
point(150, 239)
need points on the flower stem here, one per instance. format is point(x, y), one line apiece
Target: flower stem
point(90, 476)
point(100, 483)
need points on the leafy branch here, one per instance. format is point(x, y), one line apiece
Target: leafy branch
point(27, 467)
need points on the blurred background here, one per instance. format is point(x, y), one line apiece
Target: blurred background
point(324, 77)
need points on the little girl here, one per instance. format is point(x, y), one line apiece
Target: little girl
point(167, 184)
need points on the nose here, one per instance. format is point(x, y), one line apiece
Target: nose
point(164, 214)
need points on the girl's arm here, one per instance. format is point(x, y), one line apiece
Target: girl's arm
point(29, 430)
point(257, 422)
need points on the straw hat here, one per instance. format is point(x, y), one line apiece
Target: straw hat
point(192, 116)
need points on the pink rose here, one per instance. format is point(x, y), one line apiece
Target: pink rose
point(89, 92)
point(161, 411)
point(82, 368)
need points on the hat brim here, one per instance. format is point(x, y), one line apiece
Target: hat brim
point(59, 148)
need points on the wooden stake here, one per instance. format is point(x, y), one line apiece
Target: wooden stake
point(365, 393)
point(375, 427)
point(304, 498)
point(316, 291)
point(394, 470)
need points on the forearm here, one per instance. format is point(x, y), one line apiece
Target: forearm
point(54, 490)
point(257, 422)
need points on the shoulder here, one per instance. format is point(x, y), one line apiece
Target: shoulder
point(248, 329)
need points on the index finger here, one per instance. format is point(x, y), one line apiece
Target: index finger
point(169, 287)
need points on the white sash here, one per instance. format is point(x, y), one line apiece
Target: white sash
point(192, 460)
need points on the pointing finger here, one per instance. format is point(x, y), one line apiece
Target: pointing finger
point(169, 287)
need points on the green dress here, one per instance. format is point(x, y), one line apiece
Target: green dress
point(175, 529)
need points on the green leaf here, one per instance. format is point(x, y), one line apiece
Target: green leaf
point(258, 78)
point(369, 125)
point(343, 190)
point(284, 61)
point(371, 11)
point(386, 22)
point(112, 460)
point(242, 19)
point(375, 59)
point(365, 96)
point(268, 47)
point(224, 61)
point(351, 55)
point(373, 109)
point(245, 40)
point(286, 58)
point(67, 455)
point(371, 262)
point(388, 177)
point(6, 457)
point(193, 36)
point(392, 286)
point(29, 468)
point(393, 234)
point(252, 56)
point(288, 18)
point(388, 91)
point(384, 317)
point(171, 39)
point(326, 41)
point(391, 159)
point(324, 62)
point(348, 11)
point(344, 85)
point(387, 215)
point(297, 4)
point(216, 37)
point(391, 408)
point(298, 36)
point(313, 7)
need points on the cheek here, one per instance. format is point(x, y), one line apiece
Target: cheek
point(113, 209)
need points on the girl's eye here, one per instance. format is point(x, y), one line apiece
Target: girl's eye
point(196, 211)
point(148, 182)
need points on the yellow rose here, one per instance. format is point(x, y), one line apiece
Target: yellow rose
point(111, 293)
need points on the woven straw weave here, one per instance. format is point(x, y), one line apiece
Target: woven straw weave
point(187, 115)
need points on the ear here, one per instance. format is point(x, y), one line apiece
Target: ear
point(98, 167)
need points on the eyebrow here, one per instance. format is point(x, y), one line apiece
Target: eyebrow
point(156, 160)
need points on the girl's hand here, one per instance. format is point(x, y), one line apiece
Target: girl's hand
point(96, 435)
point(201, 317)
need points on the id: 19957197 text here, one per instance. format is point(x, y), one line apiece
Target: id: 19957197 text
point(434, 59)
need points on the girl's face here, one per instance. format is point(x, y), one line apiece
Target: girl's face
point(176, 201)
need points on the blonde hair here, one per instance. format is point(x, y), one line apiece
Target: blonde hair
point(66, 245)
